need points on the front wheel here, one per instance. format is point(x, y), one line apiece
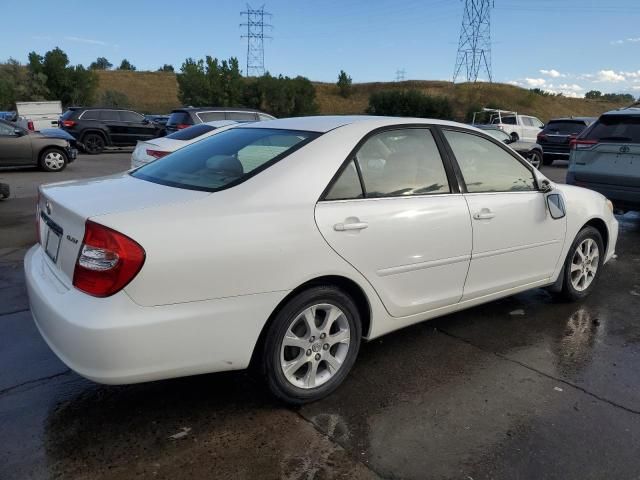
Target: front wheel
point(311, 345)
point(583, 264)
point(53, 160)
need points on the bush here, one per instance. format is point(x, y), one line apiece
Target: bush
point(344, 84)
point(281, 96)
point(409, 103)
point(114, 99)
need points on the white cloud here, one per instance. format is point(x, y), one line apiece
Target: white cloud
point(626, 40)
point(552, 73)
point(609, 76)
point(90, 41)
point(573, 87)
point(535, 82)
point(635, 87)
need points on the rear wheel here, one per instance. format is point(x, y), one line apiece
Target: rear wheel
point(515, 137)
point(583, 264)
point(93, 143)
point(53, 160)
point(536, 159)
point(311, 345)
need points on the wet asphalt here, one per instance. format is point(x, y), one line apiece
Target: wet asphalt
point(523, 388)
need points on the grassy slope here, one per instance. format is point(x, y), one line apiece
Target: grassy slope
point(157, 92)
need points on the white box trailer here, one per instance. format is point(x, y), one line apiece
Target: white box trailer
point(40, 114)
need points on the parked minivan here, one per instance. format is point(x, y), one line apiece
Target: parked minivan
point(185, 117)
point(606, 158)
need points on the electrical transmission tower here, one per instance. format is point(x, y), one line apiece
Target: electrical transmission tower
point(255, 39)
point(474, 46)
point(400, 75)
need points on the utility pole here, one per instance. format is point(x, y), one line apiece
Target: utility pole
point(400, 74)
point(474, 45)
point(255, 39)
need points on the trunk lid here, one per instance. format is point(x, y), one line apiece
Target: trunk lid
point(63, 209)
point(608, 163)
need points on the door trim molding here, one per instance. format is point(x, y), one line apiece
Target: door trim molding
point(492, 253)
point(385, 272)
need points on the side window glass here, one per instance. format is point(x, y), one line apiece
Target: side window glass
point(6, 130)
point(402, 162)
point(262, 117)
point(130, 117)
point(91, 115)
point(347, 186)
point(241, 116)
point(211, 116)
point(109, 116)
point(486, 167)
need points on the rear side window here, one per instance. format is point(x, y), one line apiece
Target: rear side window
point(263, 116)
point(191, 132)
point(91, 115)
point(564, 127)
point(347, 186)
point(109, 116)
point(225, 159)
point(615, 128)
point(505, 120)
point(210, 116)
point(242, 116)
point(179, 118)
point(486, 167)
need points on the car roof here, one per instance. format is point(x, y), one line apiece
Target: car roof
point(569, 119)
point(624, 111)
point(215, 109)
point(325, 123)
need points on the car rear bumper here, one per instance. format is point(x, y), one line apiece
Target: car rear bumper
point(626, 197)
point(115, 341)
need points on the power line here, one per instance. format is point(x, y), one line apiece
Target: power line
point(474, 45)
point(400, 74)
point(255, 39)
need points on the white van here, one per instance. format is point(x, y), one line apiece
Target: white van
point(39, 115)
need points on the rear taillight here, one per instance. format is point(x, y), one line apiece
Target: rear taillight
point(30, 126)
point(180, 126)
point(541, 137)
point(108, 261)
point(68, 123)
point(157, 153)
point(581, 144)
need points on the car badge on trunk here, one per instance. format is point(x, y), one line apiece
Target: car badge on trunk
point(624, 149)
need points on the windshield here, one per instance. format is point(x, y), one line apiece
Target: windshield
point(225, 159)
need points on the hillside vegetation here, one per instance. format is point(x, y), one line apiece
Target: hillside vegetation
point(157, 92)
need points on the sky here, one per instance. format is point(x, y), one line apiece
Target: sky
point(568, 46)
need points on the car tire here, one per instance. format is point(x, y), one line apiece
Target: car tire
point(53, 160)
point(546, 161)
point(583, 264)
point(536, 159)
point(93, 143)
point(514, 137)
point(303, 364)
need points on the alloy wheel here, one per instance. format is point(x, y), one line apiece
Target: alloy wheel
point(584, 264)
point(315, 346)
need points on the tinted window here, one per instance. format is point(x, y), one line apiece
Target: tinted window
point(109, 116)
point(223, 159)
point(191, 132)
point(242, 116)
point(486, 167)
point(347, 186)
point(402, 162)
point(179, 118)
point(91, 115)
point(564, 127)
point(68, 114)
point(264, 116)
point(131, 117)
point(211, 116)
point(506, 120)
point(615, 128)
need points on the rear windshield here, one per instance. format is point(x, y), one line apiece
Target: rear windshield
point(225, 159)
point(615, 128)
point(67, 115)
point(179, 118)
point(564, 127)
point(191, 132)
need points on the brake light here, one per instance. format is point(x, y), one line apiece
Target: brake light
point(581, 144)
point(68, 123)
point(180, 126)
point(108, 261)
point(157, 153)
point(541, 137)
point(30, 125)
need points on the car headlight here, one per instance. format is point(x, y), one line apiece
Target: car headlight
point(609, 204)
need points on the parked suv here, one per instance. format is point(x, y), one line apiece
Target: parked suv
point(606, 157)
point(556, 136)
point(185, 117)
point(97, 128)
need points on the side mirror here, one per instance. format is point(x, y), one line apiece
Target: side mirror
point(555, 206)
point(545, 186)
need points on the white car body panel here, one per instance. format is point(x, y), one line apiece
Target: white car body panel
point(218, 264)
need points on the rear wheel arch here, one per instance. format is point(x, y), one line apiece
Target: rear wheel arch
point(96, 131)
point(346, 285)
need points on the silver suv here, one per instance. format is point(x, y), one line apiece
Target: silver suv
point(606, 157)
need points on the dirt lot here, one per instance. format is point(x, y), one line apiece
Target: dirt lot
point(525, 387)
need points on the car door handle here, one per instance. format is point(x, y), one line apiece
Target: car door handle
point(484, 214)
point(343, 227)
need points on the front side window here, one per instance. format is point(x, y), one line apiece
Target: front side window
point(6, 130)
point(211, 116)
point(131, 117)
point(109, 116)
point(527, 122)
point(486, 167)
point(224, 159)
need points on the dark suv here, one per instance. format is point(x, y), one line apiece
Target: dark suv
point(185, 117)
point(555, 138)
point(97, 128)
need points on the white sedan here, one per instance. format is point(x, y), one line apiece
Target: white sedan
point(151, 150)
point(285, 244)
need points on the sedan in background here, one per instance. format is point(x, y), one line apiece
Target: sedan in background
point(285, 244)
point(20, 147)
point(555, 138)
point(151, 150)
point(529, 150)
